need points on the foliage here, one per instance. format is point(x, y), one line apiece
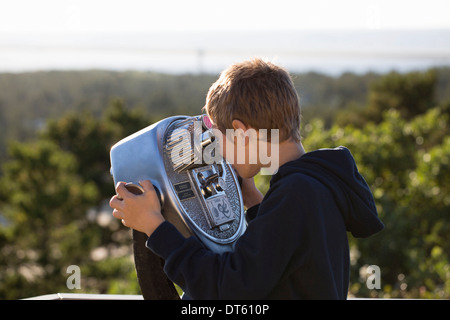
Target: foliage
point(406, 164)
point(45, 199)
point(53, 204)
point(410, 95)
point(27, 100)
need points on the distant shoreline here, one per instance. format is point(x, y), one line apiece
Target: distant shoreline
point(328, 52)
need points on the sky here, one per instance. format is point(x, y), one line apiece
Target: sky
point(131, 34)
point(99, 16)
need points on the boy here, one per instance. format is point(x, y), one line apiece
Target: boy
point(295, 246)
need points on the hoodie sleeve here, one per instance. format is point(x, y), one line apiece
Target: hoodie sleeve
point(249, 272)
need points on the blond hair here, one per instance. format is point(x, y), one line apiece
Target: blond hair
point(260, 94)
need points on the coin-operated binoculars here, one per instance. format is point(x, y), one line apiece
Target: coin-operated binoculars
point(198, 190)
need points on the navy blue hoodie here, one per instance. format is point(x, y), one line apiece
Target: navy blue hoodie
point(296, 245)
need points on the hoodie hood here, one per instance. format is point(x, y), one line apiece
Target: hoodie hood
point(337, 170)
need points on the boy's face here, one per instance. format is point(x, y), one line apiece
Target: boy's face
point(236, 148)
point(239, 157)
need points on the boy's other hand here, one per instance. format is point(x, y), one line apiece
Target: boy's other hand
point(250, 193)
point(140, 212)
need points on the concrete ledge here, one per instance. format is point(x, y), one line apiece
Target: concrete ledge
point(86, 296)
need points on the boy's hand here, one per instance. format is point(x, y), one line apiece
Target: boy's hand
point(250, 194)
point(140, 212)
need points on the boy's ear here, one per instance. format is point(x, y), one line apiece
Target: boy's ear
point(238, 124)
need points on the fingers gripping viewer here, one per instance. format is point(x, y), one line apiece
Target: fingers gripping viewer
point(140, 212)
point(295, 245)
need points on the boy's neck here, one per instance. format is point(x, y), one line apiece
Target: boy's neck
point(283, 152)
point(290, 150)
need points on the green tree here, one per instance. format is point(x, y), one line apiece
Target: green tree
point(429, 195)
point(90, 138)
point(406, 163)
point(53, 191)
point(411, 94)
point(45, 199)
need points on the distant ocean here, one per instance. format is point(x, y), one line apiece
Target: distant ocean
point(330, 52)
